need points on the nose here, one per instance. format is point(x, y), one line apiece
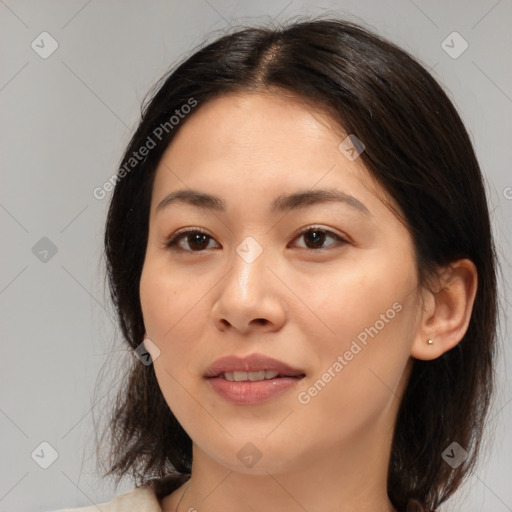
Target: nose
point(249, 297)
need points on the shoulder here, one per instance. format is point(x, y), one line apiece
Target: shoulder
point(145, 498)
point(141, 498)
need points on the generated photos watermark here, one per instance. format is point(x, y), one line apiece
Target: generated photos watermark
point(150, 143)
point(305, 397)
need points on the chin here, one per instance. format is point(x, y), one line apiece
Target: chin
point(252, 455)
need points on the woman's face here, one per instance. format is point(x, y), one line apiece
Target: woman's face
point(326, 317)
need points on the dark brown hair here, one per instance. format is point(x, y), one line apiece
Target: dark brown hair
point(416, 147)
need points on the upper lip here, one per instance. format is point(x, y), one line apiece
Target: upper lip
point(252, 363)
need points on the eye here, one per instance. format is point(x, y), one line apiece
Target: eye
point(315, 237)
point(196, 239)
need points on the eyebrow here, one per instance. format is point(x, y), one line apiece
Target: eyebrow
point(283, 203)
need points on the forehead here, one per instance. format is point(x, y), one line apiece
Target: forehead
point(260, 144)
point(238, 123)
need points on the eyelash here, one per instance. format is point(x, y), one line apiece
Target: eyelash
point(172, 242)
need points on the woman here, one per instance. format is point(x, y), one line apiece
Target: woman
point(299, 242)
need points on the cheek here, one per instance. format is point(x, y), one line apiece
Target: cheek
point(170, 307)
point(354, 297)
point(367, 319)
point(362, 364)
point(355, 382)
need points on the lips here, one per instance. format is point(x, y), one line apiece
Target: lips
point(237, 376)
point(251, 366)
point(251, 380)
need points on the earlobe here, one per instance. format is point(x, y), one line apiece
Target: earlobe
point(447, 312)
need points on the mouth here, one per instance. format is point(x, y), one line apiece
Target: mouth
point(241, 376)
point(251, 380)
point(252, 368)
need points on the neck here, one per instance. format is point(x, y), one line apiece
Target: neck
point(351, 478)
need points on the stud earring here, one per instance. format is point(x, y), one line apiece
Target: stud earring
point(430, 342)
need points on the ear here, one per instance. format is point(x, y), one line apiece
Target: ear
point(446, 310)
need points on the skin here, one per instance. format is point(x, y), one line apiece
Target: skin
point(332, 453)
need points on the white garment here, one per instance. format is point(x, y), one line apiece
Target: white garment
point(141, 499)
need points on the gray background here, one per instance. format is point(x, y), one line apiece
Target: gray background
point(65, 121)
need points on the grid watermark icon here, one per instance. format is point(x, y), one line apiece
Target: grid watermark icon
point(351, 147)
point(44, 250)
point(454, 45)
point(44, 455)
point(249, 455)
point(249, 250)
point(454, 455)
point(44, 45)
point(147, 352)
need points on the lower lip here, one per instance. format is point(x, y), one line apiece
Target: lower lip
point(252, 392)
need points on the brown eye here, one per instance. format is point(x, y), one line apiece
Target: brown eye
point(315, 238)
point(196, 240)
